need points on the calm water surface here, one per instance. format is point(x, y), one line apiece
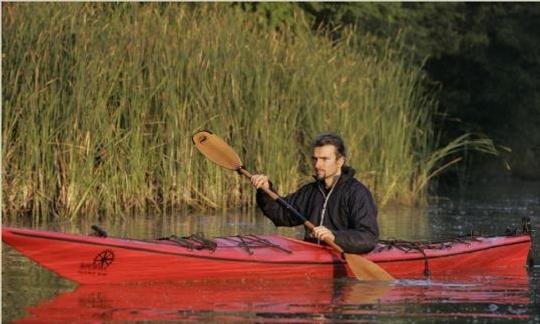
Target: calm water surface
point(34, 295)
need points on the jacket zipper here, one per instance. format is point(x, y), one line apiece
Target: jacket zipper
point(326, 198)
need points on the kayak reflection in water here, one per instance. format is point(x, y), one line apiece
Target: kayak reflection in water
point(341, 205)
point(475, 298)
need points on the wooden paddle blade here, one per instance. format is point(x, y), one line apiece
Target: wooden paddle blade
point(365, 269)
point(216, 150)
point(362, 268)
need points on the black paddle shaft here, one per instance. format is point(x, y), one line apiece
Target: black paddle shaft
point(291, 209)
point(288, 206)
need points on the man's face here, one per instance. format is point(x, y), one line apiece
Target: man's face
point(326, 162)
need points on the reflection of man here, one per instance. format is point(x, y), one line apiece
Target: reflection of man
point(341, 205)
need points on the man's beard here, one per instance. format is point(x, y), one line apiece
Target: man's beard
point(320, 177)
point(324, 177)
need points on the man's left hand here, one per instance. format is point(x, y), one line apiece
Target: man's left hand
point(323, 233)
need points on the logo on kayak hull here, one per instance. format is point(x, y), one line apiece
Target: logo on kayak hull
point(99, 264)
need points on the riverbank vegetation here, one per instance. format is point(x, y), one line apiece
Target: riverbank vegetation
point(100, 101)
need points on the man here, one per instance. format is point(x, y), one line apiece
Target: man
point(340, 205)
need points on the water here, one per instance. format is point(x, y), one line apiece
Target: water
point(33, 294)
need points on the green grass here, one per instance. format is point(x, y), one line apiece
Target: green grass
point(100, 101)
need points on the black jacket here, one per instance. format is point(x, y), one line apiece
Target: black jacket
point(351, 213)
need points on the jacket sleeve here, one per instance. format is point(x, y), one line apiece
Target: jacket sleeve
point(363, 231)
point(279, 215)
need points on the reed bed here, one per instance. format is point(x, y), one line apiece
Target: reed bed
point(100, 101)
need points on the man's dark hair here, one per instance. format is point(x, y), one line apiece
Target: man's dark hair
point(330, 139)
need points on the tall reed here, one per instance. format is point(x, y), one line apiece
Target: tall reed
point(100, 101)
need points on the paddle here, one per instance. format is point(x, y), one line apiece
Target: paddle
point(219, 152)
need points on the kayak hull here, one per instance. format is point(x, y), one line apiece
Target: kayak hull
point(98, 260)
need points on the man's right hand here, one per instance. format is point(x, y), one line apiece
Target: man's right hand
point(260, 181)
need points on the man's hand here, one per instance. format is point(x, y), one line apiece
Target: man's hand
point(260, 181)
point(323, 233)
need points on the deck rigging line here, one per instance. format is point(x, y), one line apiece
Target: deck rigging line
point(251, 241)
point(199, 242)
point(192, 242)
point(421, 246)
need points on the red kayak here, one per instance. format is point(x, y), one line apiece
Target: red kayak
point(96, 260)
